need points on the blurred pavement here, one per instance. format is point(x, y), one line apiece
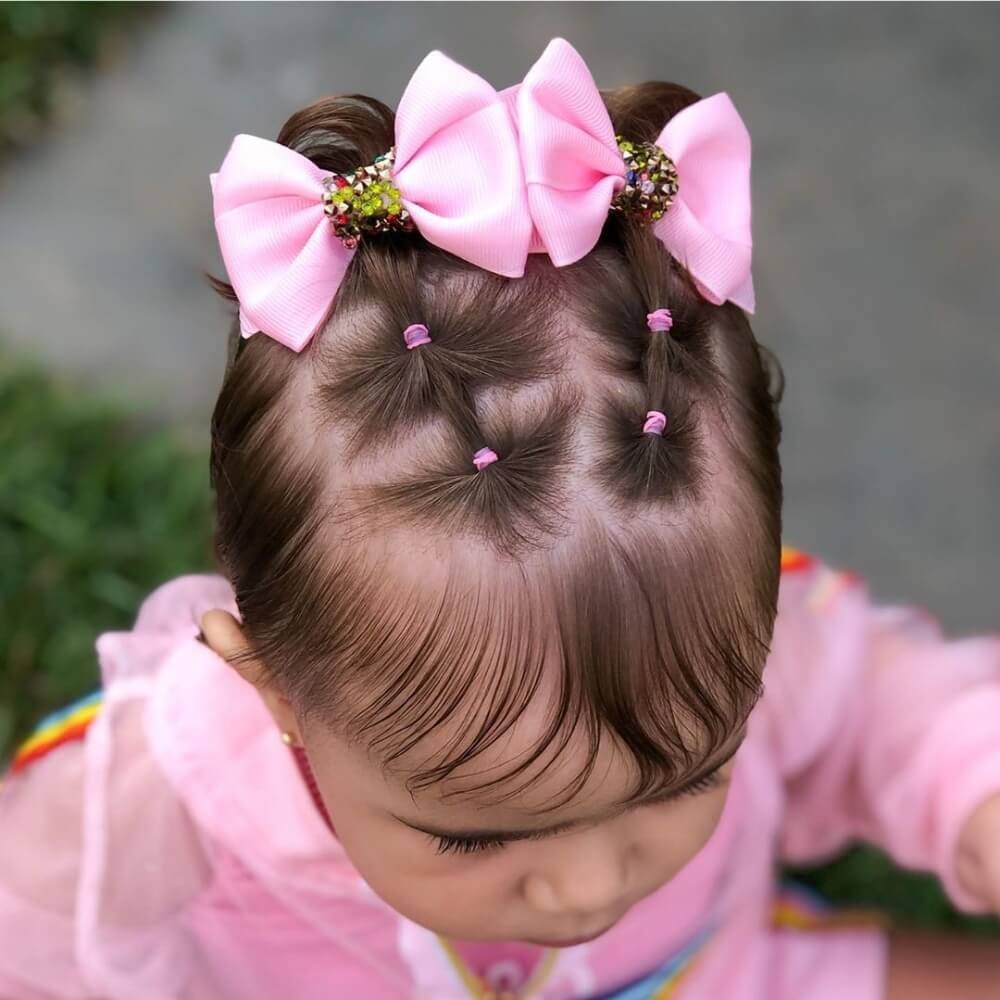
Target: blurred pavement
point(877, 229)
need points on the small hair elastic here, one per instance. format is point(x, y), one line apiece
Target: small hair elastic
point(484, 457)
point(655, 422)
point(415, 335)
point(660, 319)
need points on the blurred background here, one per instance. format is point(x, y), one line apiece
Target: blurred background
point(877, 240)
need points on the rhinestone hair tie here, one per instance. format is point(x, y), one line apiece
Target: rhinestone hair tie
point(365, 201)
point(655, 422)
point(484, 457)
point(651, 181)
point(415, 335)
point(660, 319)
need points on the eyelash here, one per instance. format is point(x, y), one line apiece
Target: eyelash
point(452, 845)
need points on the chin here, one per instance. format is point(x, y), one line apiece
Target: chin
point(492, 934)
point(460, 933)
point(569, 942)
point(566, 942)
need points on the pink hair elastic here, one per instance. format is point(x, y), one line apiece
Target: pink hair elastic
point(484, 457)
point(655, 422)
point(660, 319)
point(415, 335)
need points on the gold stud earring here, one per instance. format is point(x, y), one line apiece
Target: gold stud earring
point(288, 739)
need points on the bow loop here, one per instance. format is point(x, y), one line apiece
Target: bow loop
point(458, 167)
point(572, 166)
point(284, 262)
point(708, 227)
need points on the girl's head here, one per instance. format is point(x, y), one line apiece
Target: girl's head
point(520, 682)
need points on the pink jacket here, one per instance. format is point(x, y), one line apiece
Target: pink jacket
point(175, 853)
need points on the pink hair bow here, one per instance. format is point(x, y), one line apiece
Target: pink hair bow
point(458, 171)
point(573, 168)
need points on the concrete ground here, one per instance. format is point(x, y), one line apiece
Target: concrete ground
point(877, 229)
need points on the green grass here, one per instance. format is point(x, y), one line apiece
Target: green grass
point(866, 877)
point(94, 512)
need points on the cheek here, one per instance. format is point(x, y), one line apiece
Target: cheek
point(669, 836)
point(705, 815)
point(452, 895)
point(379, 848)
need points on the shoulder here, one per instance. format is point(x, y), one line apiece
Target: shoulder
point(70, 814)
point(84, 824)
point(88, 813)
point(171, 614)
point(68, 725)
point(816, 653)
point(41, 814)
point(820, 608)
point(795, 560)
point(811, 586)
point(179, 604)
point(168, 617)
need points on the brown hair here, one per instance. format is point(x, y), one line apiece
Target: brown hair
point(645, 566)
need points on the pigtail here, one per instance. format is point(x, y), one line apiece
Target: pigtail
point(657, 357)
point(660, 338)
point(490, 471)
point(511, 497)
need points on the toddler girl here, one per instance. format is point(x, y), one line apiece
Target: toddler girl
point(508, 688)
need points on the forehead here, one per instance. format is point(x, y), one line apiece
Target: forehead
point(530, 769)
point(515, 776)
point(510, 739)
point(563, 782)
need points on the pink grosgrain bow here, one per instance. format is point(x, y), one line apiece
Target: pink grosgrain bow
point(573, 168)
point(490, 178)
point(457, 168)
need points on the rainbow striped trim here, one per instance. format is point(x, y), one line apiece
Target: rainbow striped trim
point(659, 985)
point(794, 559)
point(795, 907)
point(826, 586)
point(668, 979)
point(480, 990)
point(61, 727)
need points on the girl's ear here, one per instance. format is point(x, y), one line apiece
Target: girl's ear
point(224, 636)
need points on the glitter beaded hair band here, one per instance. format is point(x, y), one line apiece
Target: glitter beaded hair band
point(490, 177)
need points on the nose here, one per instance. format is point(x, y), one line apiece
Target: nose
point(583, 875)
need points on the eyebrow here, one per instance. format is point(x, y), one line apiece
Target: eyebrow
point(548, 831)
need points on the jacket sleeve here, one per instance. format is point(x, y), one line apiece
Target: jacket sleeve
point(40, 843)
point(99, 863)
point(883, 729)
